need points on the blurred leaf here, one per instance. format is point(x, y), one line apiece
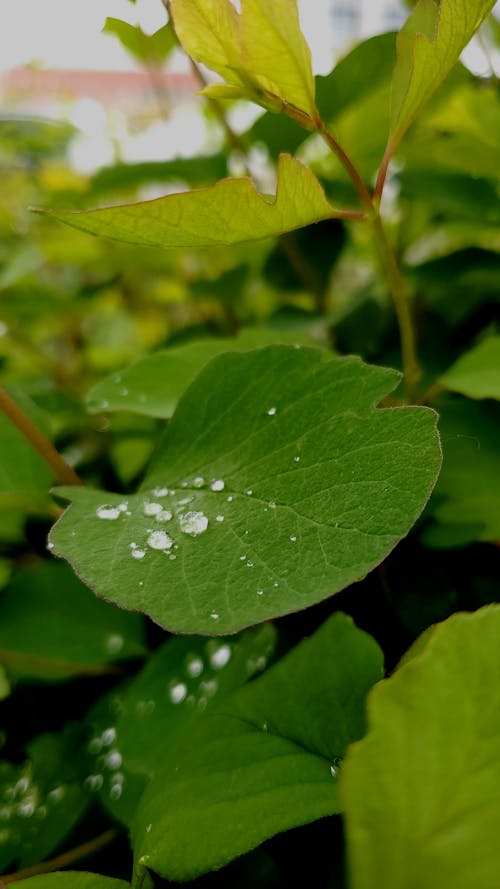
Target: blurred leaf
point(273, 454)
point(261, 52)
point(267, 762)
point(150, 49)
point(135, 728)
point(193, 170)
point(421, 790)
point(153, 385)
point(477, 373)
point(467, 495)
point(52, 627)
point(312, 254)
point(230, 212)
point(42, 800)
point(73, 879)
point(22, 470)
point(4, 685)
point(429, 45)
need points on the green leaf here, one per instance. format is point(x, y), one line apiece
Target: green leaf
point(261, 53)
point(153, 385)
point(51, 627)
point(269, 761)
point(134, 728)
point(42, 800)
point(149, 49)
point(4, 685)
point(230, 212)
point(72, 880)
point(466, 504)
point(278, 473)
point(477, 373)
point(422, 789)
point(429, 45)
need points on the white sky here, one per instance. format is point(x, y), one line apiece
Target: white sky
point(66, 33)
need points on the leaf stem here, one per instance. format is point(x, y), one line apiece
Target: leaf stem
point(62, 470)
point(61, 861)
point(385, 253)
point(397, 287)
point(351, 169)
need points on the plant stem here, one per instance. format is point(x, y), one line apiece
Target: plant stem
point(385, 253)
point(397, 287)
point(62, 470)
point(382, 175)
point(352, 171)
point(64, 860)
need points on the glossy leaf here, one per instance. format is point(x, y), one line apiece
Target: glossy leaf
point(429, 45)
point(261, 52)
point(41, 800)
point(72, 880)
point(230, 212)
point(277, 471)
point(268, 762)
point(477, 373)
point(422, 789)
point(153, 385)
point(134, 729)
point(51, 627)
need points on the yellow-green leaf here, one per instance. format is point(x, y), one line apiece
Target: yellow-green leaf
point(230, 212)
point(429, 44)
point(261, 51)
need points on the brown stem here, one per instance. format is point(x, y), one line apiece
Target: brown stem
point(345, 160)
point(62, 470)
point(433, 392)
point(61, 861)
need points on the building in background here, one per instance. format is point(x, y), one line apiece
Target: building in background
point(352, 20)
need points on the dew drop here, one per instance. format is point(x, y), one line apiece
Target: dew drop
point(242, 558)
point(115, 791)
point(151, 509)
point(272, 412)
point(108, 737)
point(26, 809)
point(177, 692)
point(108, 512)
point(260, 592)
point(94, 782)
point(214, 615)
point(160, 540)
point(160, 492)
point(333, 771)
point(136, 551)
point(194, 666)
point(217, 485)
point(113, 759)
point(249, 492)
point(220, 657)
point(272, 504)
point(193, 523)
point(230, 499)
point(50, 545)
point(276, 584)
point(249, 564)
point(115, 643)
point(149, 828)
point(297, 459)
point(219, 518)
point(198, 482)
point(164, 516)
point(293, 538)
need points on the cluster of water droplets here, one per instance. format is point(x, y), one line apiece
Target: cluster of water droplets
point(22, 800)
point(108, 762)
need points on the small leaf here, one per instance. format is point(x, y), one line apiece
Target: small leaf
point(477, 373)
point(422, 789)
point(41, 800)
point(261, 53)
point(429, 45)
point(230, 212)
point(134, 728)
point(269, 760)
point(72, 880)
point(51, 627)
point(149, 49)
point(278, 473)
point(153, 385)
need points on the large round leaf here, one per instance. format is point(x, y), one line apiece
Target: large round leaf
point(277, 483)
